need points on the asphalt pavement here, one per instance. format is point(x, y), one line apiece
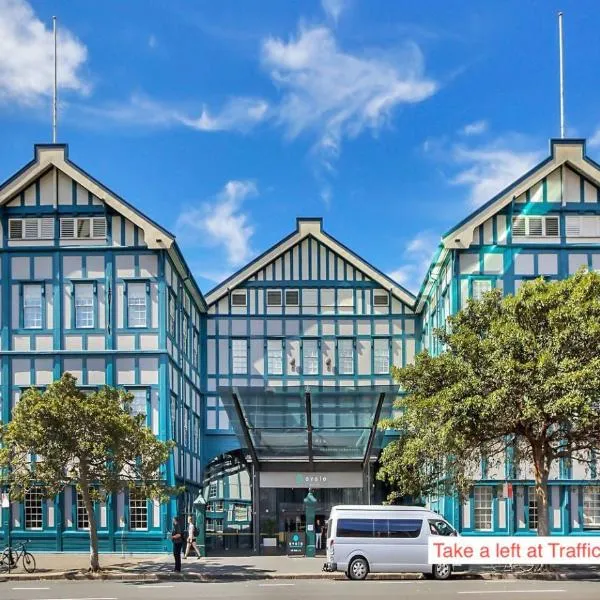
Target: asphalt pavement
point(301, 590)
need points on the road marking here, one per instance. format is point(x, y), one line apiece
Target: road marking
point(275, 584)
point(149, 585)
point(511, 591)
point(31, 588)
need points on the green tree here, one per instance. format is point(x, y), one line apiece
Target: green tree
point(63, 436)
point(519, 377)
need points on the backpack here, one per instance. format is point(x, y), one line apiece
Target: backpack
point(196, 532)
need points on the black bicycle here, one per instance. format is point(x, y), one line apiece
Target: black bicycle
point(12, 555)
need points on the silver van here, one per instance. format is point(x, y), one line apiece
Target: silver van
point(384, 539)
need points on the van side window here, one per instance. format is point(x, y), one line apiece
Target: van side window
point(405, 528)
point(438, 527)
point(380, 528)
point(355, 528)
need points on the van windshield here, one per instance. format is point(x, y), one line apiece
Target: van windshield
point(439, 527)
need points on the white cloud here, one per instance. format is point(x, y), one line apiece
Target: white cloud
point(489, 169)
point(240, 114)
point(475, 128)
point(336, 94)
point(334, 8)
point(417, 257)
point(27, 56)
point(221, 222)
point(594, 140)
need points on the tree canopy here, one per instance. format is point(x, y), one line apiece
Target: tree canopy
point(64, 436)
point(518, 379)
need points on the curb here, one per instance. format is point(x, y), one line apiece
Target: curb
point(233, 577)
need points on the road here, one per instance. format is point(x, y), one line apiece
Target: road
point(302, 589)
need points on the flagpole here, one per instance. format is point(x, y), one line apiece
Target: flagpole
point(55, 90)
point(562, 75)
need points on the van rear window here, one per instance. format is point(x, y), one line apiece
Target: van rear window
point(379, 528)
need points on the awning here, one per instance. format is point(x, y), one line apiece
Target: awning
point(309, 424)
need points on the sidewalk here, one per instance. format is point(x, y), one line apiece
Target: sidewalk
point(154, 567)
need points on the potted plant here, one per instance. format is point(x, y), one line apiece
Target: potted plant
point(269, 529)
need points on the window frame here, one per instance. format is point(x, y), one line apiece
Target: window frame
point(478, 281)
point(147, 304)
point(385, 342)
point(274, 291)
point(340, 362)
point(478, 492)
point(591, 502)
point(80, 510)
point(42, 288)
point(76, 227)
point(38, 516)
point(294, 291)
point(137, 503)
point(146, 391)
point(315, 358)
point(278, 343)
point(239, 294)
point(236, 369)
point(526, 219)
point(384, 295)
point(78, 284)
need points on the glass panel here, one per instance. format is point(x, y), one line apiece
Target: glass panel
point(346, 357)
point(32, 307)
point(136, 305)
point(405, 528)
point(340, 443)
point(310, 357)
point(279, 442)
point(84, 306)
point(344, 409)
point(355, 528)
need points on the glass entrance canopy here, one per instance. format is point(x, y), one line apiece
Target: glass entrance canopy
point(308, 423)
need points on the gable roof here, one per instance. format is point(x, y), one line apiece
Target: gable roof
point(305, 228)
point(569, 152)
point(49, 156)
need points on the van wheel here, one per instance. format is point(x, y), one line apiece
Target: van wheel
point(358, 569)
point(442, 572)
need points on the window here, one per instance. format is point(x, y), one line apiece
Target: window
point(84, 305)
point(591, 507)
point(195, 337)
point(274, 357)
point(214, 525)
point(480, 287)
point(532, 510)
point(439, 527)
point(83, 521)
point(33, 509)
point(83, 228)
point(238, 299)
point(172, 320)
point(292, 297)
point(355, 528)
point(31, 229)
point(310, 357)
point(405, 528)
point(273, 297)
point(32, 306)
point(535, 226)
point(212, 489)
point(137, 310)
point(139, 402)
point(346, 356)
point(138, 511)
point(381, 299)
point(239, 357)
point(185, 334)
point(482, 507)
point(381, 356)
point(582, 226)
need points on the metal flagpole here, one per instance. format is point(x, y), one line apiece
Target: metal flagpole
point(562, 75)
point(55, 93)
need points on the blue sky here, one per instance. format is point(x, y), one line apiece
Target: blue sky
point(226, 120)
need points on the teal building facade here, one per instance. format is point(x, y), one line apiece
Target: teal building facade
point(273, 382)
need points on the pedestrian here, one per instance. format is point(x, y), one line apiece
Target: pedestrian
point(177, 539)
point(318, 534)
point(192, 534)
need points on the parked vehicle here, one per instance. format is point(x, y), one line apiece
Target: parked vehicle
point(384, 539)
point(10, 557)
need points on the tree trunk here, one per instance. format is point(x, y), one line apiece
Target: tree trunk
point(84, 484)
point(541, 472)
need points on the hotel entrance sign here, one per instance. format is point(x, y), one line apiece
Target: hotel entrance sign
point(294, 479)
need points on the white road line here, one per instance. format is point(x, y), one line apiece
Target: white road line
point(149, 585)
point(511, 591)
point(31, 588)
point(276, 584)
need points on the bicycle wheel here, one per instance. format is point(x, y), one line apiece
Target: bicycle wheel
point(28, 562)
point(9, 559)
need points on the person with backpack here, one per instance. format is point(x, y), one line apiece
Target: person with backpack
point(192, 534)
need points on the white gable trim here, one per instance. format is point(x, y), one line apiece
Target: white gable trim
point(563, 153)
point(306, 228)
point(54, 156)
